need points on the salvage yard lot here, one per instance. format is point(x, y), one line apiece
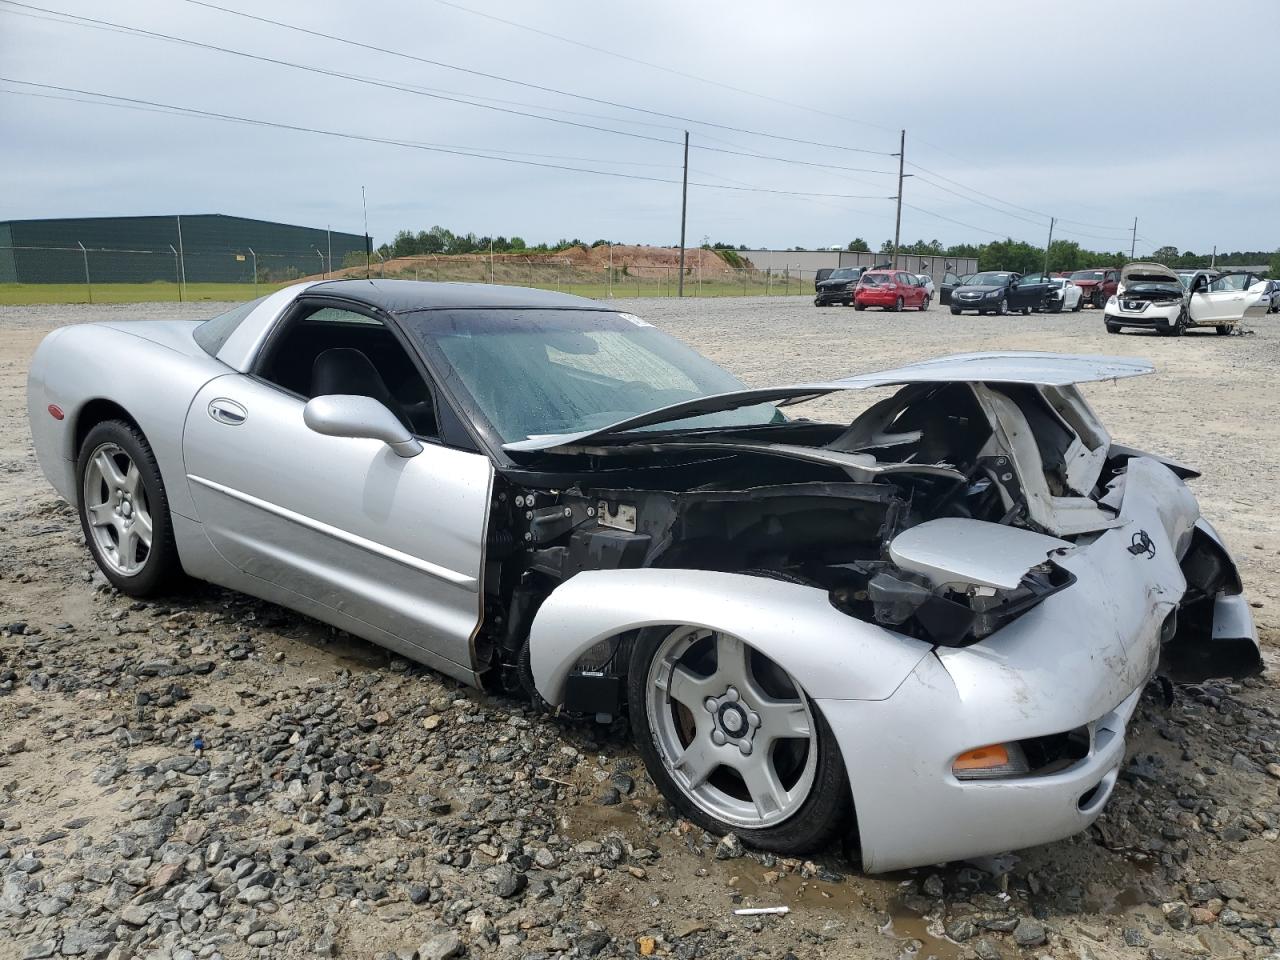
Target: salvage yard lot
point(450, 813)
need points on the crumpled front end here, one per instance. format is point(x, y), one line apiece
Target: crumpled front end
point(1052, 692)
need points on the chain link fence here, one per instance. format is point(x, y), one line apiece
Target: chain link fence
point(85, 274)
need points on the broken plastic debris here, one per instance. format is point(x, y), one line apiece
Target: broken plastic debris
point(760, 911)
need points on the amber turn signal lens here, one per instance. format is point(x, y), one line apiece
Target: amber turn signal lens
point(984, 758)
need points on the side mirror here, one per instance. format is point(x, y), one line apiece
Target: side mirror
point(356, 417)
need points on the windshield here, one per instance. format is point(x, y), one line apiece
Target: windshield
point(213, 333)
point(1087, 275)
point(844, 274)
point(536, 372)
point(989, 279)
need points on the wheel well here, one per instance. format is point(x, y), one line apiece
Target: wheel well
point(95, 412)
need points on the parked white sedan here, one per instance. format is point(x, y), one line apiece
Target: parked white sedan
point(1064, 294)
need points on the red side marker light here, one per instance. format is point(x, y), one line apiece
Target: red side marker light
point(55, 411)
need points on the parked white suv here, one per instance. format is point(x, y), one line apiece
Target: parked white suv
point(1153, 297)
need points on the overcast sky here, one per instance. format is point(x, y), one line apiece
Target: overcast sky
point(1095, 114)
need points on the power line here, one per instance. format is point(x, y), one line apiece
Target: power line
point(524, 83)
point(73, 19)
point(1038, 213)
point(410, 144)
point(655, 66)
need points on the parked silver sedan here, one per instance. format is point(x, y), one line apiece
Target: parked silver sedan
point(928, 628)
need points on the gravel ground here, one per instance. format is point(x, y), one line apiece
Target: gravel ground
point(347, 803)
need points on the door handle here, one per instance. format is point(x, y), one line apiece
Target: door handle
point(228, 412)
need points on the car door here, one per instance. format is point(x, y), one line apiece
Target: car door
point(909, 286)
point(1221, 300)
point(1032, 290)
point(394, 543)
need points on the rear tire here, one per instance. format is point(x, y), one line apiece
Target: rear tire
point(924, 304)
point(1223, 329)
point(663, 726)
point(124, 510)
point(897, 306)
point(1079, 306)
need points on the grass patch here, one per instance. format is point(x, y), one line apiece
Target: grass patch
point(23, 294)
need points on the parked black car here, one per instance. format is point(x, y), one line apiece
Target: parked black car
point(949, 282)
point(1000, 291)
point(838, 287)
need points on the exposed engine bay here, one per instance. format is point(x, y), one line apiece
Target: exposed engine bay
point(860, 511)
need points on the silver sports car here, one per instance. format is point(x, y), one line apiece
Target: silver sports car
point(930, 625)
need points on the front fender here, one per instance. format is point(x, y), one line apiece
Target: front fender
point(831, 655)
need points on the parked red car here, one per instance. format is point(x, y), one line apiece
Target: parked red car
point(1098, 284)
point(891, 289)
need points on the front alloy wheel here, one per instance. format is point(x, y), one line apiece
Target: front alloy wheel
point(732, 741)
point(1003, 307)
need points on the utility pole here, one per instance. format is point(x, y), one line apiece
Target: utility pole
point(684, 207)
point(1133, 244)
point(1049, 245)
point(255, 272)
point(491, 259)
point(1213, 260)
point(897, 222)
point(328, 233)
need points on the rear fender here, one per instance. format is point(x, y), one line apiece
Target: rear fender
point(153, 383)
point(830, 654)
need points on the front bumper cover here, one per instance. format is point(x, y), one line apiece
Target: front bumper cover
point(1079, 659)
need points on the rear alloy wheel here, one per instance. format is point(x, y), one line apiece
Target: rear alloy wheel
point(897, 305)
point(924, 304)
point(124, 511)
point(732, 741)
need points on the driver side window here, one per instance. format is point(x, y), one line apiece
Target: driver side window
point(323, 350)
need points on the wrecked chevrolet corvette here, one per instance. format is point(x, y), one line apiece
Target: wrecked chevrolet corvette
point(929, 626)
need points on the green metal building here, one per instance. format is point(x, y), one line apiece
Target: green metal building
point(192, 248)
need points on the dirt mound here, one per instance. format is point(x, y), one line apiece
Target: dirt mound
point(635, 260)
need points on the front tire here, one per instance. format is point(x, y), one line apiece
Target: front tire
point(955, 311)
point(124, 510)
point(859, 306)
point(1113, 328)
point(732, 742)
point(1003, 308)
point(1079, 306)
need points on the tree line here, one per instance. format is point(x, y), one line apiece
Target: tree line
point(1008, 254)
